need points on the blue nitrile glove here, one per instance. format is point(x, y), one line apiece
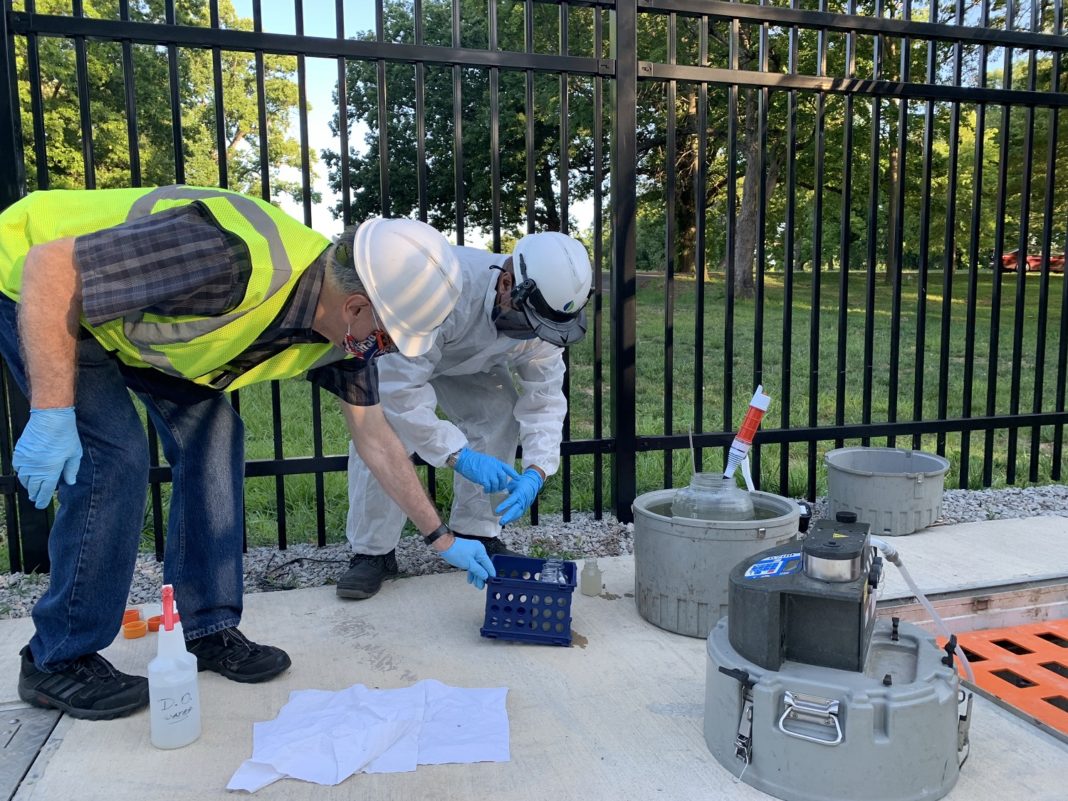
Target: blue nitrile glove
point(49, 447)
point(521, 494)
point(470, 555)
point(488, 471)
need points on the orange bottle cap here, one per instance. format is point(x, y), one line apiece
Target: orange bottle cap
point(134, 629)
point(154, 622)
point(131, 615)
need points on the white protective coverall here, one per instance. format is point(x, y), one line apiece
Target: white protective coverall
point(473, 373)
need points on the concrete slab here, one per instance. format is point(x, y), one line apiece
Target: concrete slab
point(617, 716)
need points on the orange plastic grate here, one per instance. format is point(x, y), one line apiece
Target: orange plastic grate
point(1025, 666)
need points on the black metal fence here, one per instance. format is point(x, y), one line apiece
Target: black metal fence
point(861, 205)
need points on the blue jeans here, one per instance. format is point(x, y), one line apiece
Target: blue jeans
point(97, 529)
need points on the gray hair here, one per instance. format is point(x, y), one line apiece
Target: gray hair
point(341, 266)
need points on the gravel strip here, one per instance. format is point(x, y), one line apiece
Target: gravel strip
point(268, 569)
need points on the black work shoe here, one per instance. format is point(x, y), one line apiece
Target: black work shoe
point(233, 655)
point(90, 688)
point(364, 576)
point(494, 546)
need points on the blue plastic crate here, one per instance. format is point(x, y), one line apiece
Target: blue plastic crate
point(519, 607)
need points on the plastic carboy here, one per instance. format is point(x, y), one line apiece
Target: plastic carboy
point(173, 696)
point(712, 496)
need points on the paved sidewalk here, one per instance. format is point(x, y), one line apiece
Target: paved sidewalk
point(617, 716)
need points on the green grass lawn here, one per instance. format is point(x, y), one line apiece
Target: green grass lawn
point(296, 416)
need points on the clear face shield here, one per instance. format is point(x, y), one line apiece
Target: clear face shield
point(531, 316)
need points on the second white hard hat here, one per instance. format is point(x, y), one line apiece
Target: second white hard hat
point(553, 277)
point(411, 275)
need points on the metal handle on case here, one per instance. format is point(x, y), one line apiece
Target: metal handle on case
point(809, 709)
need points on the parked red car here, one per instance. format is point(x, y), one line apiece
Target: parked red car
point(1010, 261)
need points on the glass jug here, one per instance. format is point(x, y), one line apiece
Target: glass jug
point(710, 496)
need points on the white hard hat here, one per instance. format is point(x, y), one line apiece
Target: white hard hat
point(552, 284)
point(411, 275)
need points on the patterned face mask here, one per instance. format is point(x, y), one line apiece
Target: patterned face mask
point(377, 343)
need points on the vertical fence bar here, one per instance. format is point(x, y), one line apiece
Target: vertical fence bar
point(898, 234)
point(306, 197)
point(920, 352)
point(1022, 250)
point(624, 223)
point(420, 121)
point(868, 391)
point(494, 132)
point(528, 109)
point(130, 96)
point(670, 157)
point(973, 262)
point(995, 262)
point(564, 171)
point(763, 98)
point(177, 137)
point(731, 274)
point(40, 139)
point(817, 257)
point(1043, 288)
point(220, 99)
point(1062, 350)
point(788, 278)
point(598, 272)
point(949, 243)
point(343, 117)
point(384, 115)
point(12, 167)
point(700, 250)
point(84, 112)
point(845, 233)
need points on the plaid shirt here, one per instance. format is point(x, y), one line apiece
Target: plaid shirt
point(181, 262)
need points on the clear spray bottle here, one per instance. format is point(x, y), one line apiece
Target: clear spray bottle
point(174, 700)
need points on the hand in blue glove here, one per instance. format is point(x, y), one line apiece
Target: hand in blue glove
point(521, 494)
point(470, 555)
point(49, 446)
point(488, 471)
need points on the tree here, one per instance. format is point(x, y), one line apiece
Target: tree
point(441, 155)
point(112, 163)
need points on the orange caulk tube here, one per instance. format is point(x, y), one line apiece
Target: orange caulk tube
point(743, 440)
point(168, 607)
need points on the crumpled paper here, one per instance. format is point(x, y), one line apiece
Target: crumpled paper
point(324, 737)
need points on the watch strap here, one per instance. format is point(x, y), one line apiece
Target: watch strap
point(436, 534)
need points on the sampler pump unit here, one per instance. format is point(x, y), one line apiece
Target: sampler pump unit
point(810, 697)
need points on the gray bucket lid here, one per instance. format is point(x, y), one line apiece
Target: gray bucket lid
point(886, 462)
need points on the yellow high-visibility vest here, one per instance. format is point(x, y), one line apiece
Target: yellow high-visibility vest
point(199, 349)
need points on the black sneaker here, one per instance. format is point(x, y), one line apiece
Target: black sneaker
point(90, 688)
point(233, 655)
point(494, 546)
point(364, 576)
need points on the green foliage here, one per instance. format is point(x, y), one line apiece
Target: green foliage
point(112, 166)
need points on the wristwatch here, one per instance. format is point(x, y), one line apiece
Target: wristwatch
point(452, 458)
point(436, 534)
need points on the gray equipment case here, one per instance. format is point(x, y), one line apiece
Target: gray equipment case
point(812, 733)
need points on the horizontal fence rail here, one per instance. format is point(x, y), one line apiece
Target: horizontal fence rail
point(823, 198)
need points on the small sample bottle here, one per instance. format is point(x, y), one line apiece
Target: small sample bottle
point(173, 696)
point(590, 579)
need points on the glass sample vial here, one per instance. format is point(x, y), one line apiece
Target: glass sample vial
point(711, 496)
point(552, 572)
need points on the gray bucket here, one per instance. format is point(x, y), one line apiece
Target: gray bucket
point(897, 491)
point(682, 566)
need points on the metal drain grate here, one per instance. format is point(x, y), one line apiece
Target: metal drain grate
point(23, 732)
point(1025, 666)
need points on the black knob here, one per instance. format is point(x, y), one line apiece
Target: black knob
point(888, 680)
point(846, 517)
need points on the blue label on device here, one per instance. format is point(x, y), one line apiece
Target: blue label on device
point(782, 564)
